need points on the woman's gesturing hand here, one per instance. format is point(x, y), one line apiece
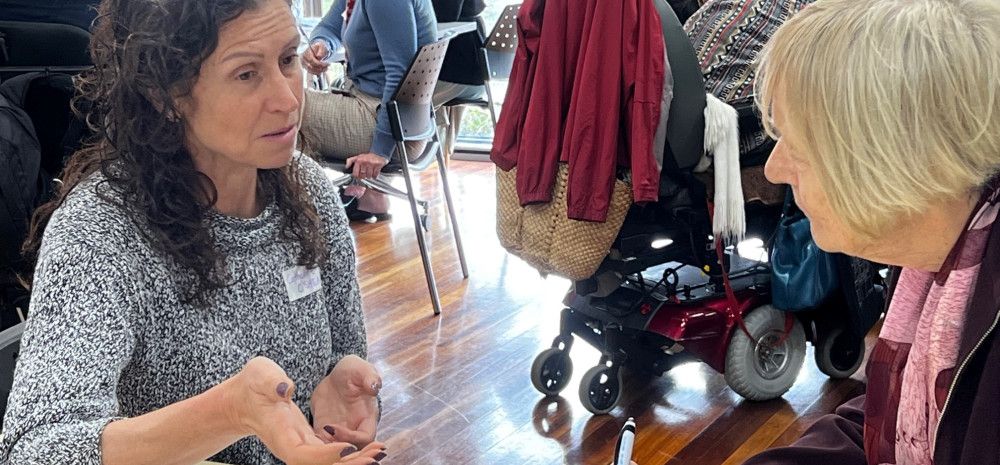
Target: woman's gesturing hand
point(345, 403)
point(260, 400)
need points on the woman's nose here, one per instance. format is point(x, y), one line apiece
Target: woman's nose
point(283, 97)
point(777, 169)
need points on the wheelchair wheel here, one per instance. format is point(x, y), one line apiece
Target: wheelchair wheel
point(766, 368)
point(839, 354)
point(551, 371)
point(601, 389)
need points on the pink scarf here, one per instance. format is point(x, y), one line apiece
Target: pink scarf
point(927, 314)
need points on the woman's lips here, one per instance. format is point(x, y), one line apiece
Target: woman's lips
point(281, 135)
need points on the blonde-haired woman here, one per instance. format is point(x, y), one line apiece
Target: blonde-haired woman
point(888, 119)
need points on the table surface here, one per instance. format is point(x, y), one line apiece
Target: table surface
point(456, 28)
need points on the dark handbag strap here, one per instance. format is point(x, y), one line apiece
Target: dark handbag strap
point(731, 301)
point(786, 211)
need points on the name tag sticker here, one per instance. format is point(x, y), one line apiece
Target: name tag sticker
point(301, 281)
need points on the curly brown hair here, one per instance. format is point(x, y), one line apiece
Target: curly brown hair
point(146, 53)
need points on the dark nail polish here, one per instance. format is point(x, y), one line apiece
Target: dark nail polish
point(374, 463)
point(282, 389)
point(329, 429)
point(348, 451)
point(379, 456)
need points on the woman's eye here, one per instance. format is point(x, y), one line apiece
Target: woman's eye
point(289, 59)
point(246, 76)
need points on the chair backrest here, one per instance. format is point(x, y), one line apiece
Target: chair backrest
point(686, 124)
point(30, 46)
point(10, 346)
point(502, 42)
point(410, 113)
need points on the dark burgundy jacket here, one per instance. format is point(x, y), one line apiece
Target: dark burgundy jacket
point(969, 429)
point(585, 89)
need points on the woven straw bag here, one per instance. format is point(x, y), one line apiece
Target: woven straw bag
point(543, 236)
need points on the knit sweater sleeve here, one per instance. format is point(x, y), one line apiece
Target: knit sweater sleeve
point(78, 322)
point(340, 274)
point(343, 295)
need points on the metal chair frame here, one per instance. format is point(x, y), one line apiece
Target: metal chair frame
point(495, 57)
point(411, 119)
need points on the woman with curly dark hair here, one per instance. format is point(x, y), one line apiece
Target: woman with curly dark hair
point(195, 291)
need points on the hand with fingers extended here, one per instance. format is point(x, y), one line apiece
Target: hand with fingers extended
point(366, 165)
point(260, 399)
point(314, 58)
point(345, 403)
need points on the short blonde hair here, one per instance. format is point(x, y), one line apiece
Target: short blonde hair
point(895, 103)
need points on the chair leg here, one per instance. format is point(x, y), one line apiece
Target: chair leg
point(421, 241)
point(489, 100)
point(451, 212)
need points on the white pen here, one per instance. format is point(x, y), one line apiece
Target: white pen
point(623, 451)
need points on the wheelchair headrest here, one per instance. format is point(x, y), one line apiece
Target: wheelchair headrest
point(686, 123)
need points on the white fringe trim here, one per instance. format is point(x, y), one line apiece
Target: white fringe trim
point(722, 141)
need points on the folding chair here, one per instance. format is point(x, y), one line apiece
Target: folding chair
point(495, 58)
point(412, 119)
point(10, 346)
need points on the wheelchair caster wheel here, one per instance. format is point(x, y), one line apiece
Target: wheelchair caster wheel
point(601, 389)
point(551, 371)
point(839, 354)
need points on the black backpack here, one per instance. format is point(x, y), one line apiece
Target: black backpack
point(21, 184)
point(31, 105)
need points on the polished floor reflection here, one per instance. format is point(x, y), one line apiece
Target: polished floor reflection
point(457, 387)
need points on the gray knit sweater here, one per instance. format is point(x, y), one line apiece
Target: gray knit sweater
point(108, 337)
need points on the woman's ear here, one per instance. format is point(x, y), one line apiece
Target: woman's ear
point(182, 106)
point(172, 112)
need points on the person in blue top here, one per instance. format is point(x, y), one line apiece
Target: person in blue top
point(381, 37)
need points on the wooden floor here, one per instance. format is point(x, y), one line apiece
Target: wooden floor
point(457, 387)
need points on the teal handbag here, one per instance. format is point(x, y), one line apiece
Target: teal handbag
point(802, 275)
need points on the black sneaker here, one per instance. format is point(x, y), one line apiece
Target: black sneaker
point(357, 215)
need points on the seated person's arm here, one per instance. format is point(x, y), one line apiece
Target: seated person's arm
point(835, 439)
point(395, 31)
point(329, 28)
point(326, 39)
